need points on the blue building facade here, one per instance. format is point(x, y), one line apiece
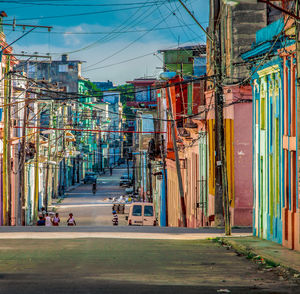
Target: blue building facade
point(273, 67)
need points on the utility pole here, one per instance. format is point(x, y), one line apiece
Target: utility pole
point(48, 157)
point(177, 160)
point(133, 172)
point(222, 215)
point(36, 162)
point(100, 147)
point(150, 179)
point(128, 166)
point(219, 218)
point(22, 161)
point(57, 160)
point(221, 193)
point(64, 159)
point(7, 149)
point(297, 8)
point(163, 156)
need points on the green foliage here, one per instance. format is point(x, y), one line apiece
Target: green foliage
point(127, 92)
point(93, 90)
point(127, 112)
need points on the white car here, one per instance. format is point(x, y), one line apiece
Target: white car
point(129, 190)
point(125, 180)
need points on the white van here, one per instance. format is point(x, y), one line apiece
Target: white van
point(141, 214)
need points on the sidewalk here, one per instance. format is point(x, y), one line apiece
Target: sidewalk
point(54, 233)
point(271, 252)
point(61, 198)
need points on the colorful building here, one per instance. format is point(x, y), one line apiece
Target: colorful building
point(276, 213)
point(236, 26)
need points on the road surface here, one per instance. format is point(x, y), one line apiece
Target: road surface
point(89, 209)
point(117, 266)
point(96, 257)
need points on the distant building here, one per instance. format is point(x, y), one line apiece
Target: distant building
point(145, 92)
point(185, 61)
point(104, 86)
point(65, 72)
point(114, 138)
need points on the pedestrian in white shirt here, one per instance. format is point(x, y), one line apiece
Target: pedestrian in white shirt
point(48, 221)
point(56, 220)
point(71, 220)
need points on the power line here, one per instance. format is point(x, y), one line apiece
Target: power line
point(88, 130)
point(82, 13)
point(116, 32)
point(78, 5)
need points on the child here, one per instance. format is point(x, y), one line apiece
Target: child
point(71, 220)
point(56, 220)
point(48, 221)
point(115, 219)
point(41, 221)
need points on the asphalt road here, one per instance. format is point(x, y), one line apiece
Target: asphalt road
point(89, 209)
point(96, 257)
point(117, 266)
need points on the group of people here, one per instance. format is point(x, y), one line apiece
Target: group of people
point(46, 220)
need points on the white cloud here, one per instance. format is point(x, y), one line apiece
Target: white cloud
point(118, 71)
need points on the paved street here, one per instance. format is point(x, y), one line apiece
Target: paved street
point(89, 209)
point(130, 266)
point(96, 257)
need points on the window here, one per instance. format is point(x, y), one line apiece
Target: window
point(148, 210)
point(63, 68)
point(137, 210)
point(31, 68)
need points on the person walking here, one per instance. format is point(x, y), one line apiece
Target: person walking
point(71, 220)
point(110, 170)
point(48, 221)
point(94, 188)
point(56, 220)
point(115, 218)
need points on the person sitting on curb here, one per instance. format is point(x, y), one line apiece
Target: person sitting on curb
point(41, 221)
point(48, 220)
point(56, 220)
point(71, 220)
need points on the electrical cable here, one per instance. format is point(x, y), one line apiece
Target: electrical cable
point(80, 14)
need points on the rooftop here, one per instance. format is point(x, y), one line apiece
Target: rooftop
point(198, 47)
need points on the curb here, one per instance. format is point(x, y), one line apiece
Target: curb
point(73, 187)
point(251, 253)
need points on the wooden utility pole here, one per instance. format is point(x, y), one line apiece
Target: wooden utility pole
point(222, 215)
point(7, 149)
point(150, 180)
point(163, 156)
point(36, 166)
point(177, 160)
point(56, 182)
point(298, 82)
point(22, 162)
point(48, 157)
point(219, 134)
point(64, 156)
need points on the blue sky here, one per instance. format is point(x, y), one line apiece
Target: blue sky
point(106, 34)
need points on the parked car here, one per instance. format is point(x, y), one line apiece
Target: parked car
point(141, 214)
point(125, 180)
point(129, 190)
point(90, 178)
